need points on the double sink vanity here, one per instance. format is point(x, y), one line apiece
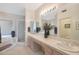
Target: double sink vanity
point(52, 45)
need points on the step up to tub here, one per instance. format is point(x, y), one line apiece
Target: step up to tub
point(5, 47)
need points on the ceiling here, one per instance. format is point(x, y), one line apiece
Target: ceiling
point(18, 8)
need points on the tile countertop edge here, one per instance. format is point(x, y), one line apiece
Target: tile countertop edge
point(45, 41)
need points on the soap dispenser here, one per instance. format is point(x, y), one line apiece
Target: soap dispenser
point(55, 30)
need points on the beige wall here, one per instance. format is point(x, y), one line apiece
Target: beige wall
point(72, 13)
point(29, 16)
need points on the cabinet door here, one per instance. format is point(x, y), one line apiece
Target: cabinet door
point(57, 52)
point(47, 50)
point(34, 45)
point(29, 42)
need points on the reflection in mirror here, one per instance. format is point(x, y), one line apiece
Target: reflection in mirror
point(50, 17)
point(34, 27)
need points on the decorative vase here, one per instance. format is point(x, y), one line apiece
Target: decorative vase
point(46, 34)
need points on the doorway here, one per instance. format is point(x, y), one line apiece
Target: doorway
point(21, 31)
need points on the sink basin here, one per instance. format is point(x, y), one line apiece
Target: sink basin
point(68, 46)
point(65, 44)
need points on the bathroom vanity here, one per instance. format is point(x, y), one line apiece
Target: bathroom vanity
point(52, 45)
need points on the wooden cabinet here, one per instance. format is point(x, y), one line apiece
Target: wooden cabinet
point(41, 47)
point(29, 42)
point(50, 51)
point(47, 51)
point(36, 47)
point(55, 52)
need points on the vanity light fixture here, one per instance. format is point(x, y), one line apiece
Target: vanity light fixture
point(43, 13)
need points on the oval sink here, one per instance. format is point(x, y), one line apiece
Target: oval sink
point(71, 47)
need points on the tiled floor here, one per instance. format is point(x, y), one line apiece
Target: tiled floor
point(20, 49)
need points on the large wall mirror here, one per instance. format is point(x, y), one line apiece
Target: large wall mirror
point(49, 17)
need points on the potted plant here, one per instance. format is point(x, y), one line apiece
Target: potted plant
point(47, 27)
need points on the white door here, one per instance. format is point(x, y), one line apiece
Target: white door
point(21, 31)
point(65, 28)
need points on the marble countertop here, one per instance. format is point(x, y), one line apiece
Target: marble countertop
point(67, 46)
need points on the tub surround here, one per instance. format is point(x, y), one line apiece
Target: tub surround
point(7, 42)
point(5, 45)
point(52, 45)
